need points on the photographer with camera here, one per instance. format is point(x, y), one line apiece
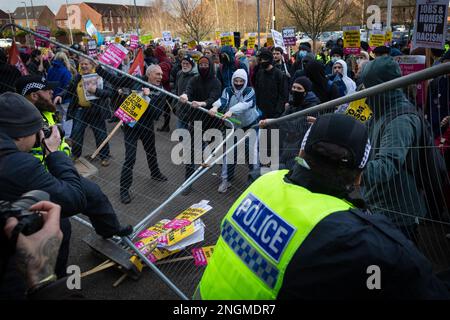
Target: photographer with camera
point(98, 208)
point(20, 129)
point(34, 246)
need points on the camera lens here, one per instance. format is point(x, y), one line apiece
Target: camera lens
point(30, 198)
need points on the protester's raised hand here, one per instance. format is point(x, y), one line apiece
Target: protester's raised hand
point(184, 98)
point(197, 104)
point(311, 120)
point(36, 254)
point(263, 123)
point(227, 115)
point(146, 91)
point(212, 112)
point(57, 100)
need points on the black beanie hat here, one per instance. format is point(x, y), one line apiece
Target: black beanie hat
point(189, 59)
point(337, 50)
point(305, 82)
point(18, 117)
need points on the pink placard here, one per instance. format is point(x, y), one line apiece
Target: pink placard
point(353, 51)
point(134, 41)
point(199, 257)
point(45, 32)
point(147, 234)
point(177, 224)
point(122, 115)
point(411, 64)
point(114, 55)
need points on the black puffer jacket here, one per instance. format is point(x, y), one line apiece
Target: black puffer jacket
point(206, 89)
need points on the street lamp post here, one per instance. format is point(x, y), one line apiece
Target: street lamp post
point(26, 14)
point(135, 16)
point(69, 24)
point(32, 10)
point(12, 29)
point(258, 24)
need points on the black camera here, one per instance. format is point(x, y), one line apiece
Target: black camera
point(48, 130)
point(29, 221)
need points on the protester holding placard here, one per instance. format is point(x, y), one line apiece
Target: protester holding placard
point(90, 113)
point(143, 130)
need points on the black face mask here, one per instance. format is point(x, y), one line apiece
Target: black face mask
point(298, 98)
point(265, 64)
point(203, 72)
point(238, 87)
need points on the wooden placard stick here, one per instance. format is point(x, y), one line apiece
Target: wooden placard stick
point(96, 152)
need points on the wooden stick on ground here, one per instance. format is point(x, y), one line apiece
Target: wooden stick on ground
point(100, 267)
point(120, 280)
point(96, 152)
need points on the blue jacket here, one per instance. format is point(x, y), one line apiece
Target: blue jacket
point(58, 72)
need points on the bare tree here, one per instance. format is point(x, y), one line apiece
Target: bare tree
point(194, 18)
point(315, 16)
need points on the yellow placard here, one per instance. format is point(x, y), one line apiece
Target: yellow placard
point(352, 37)
point(388, 37)
point(145, 39)
point(191, 214)
point(153, 233)
point(161, 253)
point(175, 236)
point(218, 35)
point(359, 110)
point(227, 39)
point(134, 106)
point(208, 251)
point(251, 41)
point(85, 40)
point(270, 41)
point(192, 44)
point(377, 39)
point(138, 263)
point(117, 39)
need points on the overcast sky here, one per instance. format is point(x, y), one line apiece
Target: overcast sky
point(54, 5)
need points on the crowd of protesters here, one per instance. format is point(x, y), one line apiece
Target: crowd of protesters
point(252, 89)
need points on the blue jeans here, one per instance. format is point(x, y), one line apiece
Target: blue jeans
point(83, 118)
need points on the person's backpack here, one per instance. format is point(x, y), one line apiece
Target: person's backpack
point(431, 173)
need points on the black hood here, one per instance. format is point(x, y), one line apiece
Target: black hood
point(211, 68)
point(7, 145)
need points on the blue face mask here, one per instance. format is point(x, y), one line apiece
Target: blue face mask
point(302, 54)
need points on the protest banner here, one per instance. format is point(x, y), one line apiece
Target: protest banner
point(202, 255)
point(138, 66)
point(91, 82)
point(134, 41)
point(269, 40)
point(227, 39)
point(352, 40)
point(278, 39)
point(167, 39)
point(430, 29)
point(376, 39)
point(289, 37)
point(359, 110)
point(251, 42)
point(411, 64)
point(190, 214)
point(145, 39)
point(217, 37)
point(192, 44)
point(92, 48)
point(129, 112)
point(114, 55)
point(388, 38)
point(45, 32)
point(15, 60)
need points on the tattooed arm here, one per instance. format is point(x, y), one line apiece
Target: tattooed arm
point(36, 254)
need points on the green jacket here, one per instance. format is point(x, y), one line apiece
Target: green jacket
point(389, 184)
